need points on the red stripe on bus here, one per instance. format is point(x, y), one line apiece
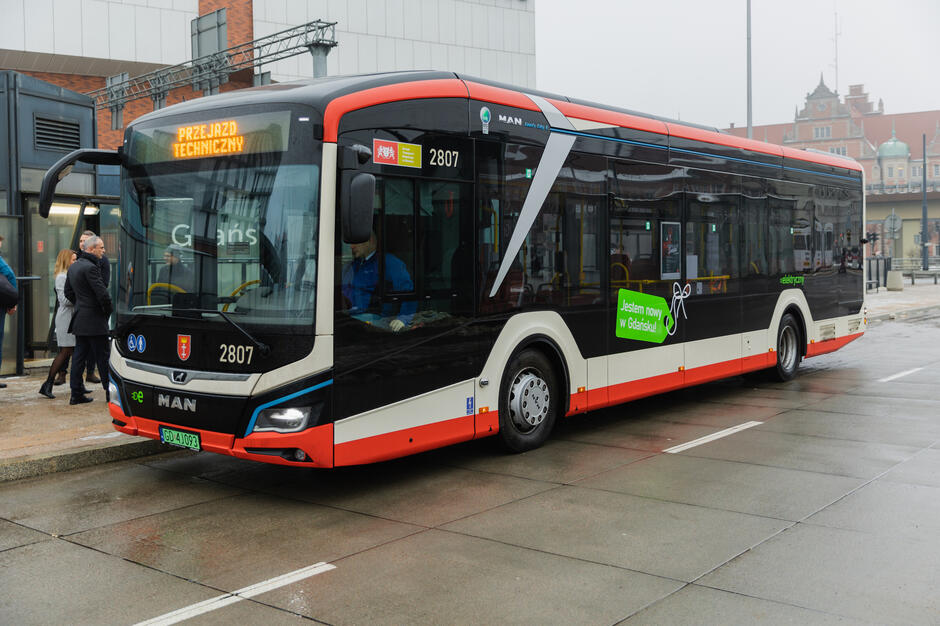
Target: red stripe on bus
point(732, 141)
point(614, 118)
point(824, 159)
point(825, 347)
point(404, 442)
point(499, 95)
point(438, 88)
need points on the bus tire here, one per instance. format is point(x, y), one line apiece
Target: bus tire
point(788, 349)
point(529, 401)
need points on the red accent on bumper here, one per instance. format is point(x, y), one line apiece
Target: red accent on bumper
point(825, 347)
point(404, 442)
point(317, 442)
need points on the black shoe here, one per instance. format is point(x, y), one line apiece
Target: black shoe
point(80, 400)
point(3, 385)
point(46, 390)
point(59, 379)
point(85, 390)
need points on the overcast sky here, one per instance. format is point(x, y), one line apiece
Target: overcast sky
point(687, 58)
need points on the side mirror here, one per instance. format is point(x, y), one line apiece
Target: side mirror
point(358, 196)
point(63, 167)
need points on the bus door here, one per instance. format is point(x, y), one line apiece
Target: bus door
point(644, 264)
point(404, 300)
point(710, 291)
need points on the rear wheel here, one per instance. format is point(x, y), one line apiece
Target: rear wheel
point(529, 401)
point(788, 349)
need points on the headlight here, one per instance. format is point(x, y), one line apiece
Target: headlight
point(113, 394)
point(282, 420)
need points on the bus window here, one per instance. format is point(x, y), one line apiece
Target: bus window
point(713, 243)
point(376, 284)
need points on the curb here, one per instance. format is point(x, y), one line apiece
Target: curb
point(51, 462)
point(881, 317)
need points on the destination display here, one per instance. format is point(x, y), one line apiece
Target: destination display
point(235, 135)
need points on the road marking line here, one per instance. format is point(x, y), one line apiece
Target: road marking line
point(230, 598)
point(890, 378)
point(712, 437)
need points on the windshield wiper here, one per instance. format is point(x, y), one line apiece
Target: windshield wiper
point(263, 348)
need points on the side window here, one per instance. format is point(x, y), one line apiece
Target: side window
point(445, 249)
point(643, 207)
point(713, 234)
point(505, 174)
point(376, 281)
point(416, 269)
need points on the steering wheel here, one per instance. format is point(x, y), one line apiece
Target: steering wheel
point(168, 286)
point(238, 290)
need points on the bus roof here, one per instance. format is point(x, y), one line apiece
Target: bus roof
point(337, 95)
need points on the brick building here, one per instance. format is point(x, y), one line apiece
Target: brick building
point(890, 148)
point(79, 45)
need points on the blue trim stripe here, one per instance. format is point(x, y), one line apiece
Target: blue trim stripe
point(705, 154)
point(254, 416)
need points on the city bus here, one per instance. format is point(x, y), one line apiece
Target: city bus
point(353, 269)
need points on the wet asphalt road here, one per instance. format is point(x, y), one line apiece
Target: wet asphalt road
point(827, 511)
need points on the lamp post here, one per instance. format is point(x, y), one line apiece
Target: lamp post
point(923, 220)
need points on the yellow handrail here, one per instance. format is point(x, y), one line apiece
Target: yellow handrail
point(236, 292)
point(169, 286)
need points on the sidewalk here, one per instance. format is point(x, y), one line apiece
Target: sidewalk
point(41, 436)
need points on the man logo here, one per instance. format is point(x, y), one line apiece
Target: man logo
point(179, 376)
point(175, 402)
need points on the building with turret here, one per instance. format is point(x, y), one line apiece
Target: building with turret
point(890, 148)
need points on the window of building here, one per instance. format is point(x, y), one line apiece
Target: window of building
point(822, 132)
point(936, 169)
point(890, 172)
point(900, 172)
point(838, 150)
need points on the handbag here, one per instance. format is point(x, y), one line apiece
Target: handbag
point(8, 294)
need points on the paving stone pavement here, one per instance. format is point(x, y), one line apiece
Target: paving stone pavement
point(41, 436)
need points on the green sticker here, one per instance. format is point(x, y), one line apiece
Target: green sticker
point(642, 317)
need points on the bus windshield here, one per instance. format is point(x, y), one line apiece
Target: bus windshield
point(230, 234)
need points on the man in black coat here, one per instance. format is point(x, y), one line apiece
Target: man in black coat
point(84, 287)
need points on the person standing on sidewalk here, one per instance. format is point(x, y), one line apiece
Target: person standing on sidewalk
point(7, 273)
point(93, 307)
point(104, 267)
point(63, 317)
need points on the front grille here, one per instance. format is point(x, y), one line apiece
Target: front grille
point(56, 135)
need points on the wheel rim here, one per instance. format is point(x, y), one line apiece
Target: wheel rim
point(529, 400)
point(787, 348)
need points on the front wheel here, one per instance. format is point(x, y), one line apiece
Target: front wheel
point(529, 401)
point(788, 349)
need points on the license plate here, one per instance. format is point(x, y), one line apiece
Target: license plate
point(179, 438)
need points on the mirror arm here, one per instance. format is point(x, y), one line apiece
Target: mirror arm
point(63, 166)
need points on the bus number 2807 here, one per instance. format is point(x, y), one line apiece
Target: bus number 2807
point(240, 355)
point(444, 158)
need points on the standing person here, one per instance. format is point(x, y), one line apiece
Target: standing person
point(104, 267)
point(63, 318)
point(7, 273)
point(84, 288)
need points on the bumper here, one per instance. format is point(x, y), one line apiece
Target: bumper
point(275, 448)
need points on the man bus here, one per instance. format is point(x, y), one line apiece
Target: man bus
point(500, 205)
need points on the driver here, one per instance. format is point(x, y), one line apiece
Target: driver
point(361, 276)
point(174, 271)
